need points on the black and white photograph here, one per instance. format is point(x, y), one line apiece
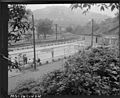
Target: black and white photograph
point(63, 49)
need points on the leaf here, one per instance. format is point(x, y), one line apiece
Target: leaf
point(74, 6)
point(113, 7)
point(84, 12)
point(114, 77)
point(17, 16)
point(102, 8)
point(114, 89)
point(114, 72)
point(117, 83)
point(85, 5)
point(89, 6)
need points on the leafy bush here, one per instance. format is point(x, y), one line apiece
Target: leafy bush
point(47, 62)
point(94, 72)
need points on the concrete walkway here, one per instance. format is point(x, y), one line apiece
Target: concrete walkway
point(28, 74)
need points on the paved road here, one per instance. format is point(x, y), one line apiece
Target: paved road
point(13, 81)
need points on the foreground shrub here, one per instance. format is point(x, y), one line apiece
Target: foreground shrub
point(94, 72)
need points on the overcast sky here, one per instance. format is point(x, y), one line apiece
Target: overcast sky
point(94, 9)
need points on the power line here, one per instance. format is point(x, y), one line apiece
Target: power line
point(56, 30)
point(92, 34)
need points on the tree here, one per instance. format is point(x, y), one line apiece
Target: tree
point(69, 29)
point(18, 22)
point(87, 6)
point(28, 36)
point(44, 27)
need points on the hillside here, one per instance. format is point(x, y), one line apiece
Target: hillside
point(65, 16)
point(87, 29)
point(109, 26)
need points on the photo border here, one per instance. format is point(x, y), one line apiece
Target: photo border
point(3, 68)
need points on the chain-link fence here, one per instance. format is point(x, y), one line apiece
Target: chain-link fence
point(47, 53)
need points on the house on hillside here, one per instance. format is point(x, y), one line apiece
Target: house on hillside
point(110, 40)
point(111, 36)
point(87, 38)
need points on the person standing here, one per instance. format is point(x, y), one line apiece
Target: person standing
point(52, 53)
point(19, 58)
point(16, 63)
point(9, 63)
point(39, 61)
point(24, 59)
point(32, 65)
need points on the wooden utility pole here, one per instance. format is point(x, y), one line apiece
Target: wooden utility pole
point(56, 30)
point(92, 34)
point(34, 43)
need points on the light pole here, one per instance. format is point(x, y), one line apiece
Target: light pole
point(34, 61)
point(60, 31)
point(92, 34)
point(56, 30)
